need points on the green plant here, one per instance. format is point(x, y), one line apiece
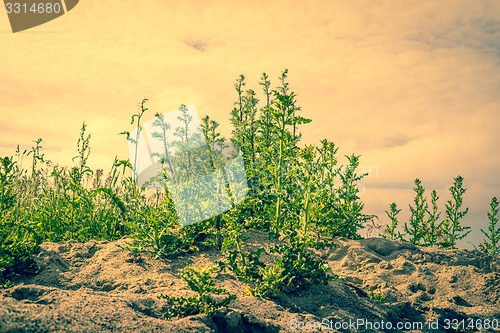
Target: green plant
point(17, 247)
point(298, 195)
point(416, 229)
point(6, 285)
point(265, 118)
point(283, 116)
point(161, 135)
point(296, 269)
point(430, 232)
point(433, 228)
point(378, 296)
point(339, 210)
point(200, 281)
point(270, 283)
point(452, 229)
point(491, 244)
point(264, 161)
point(245, 265)
point(310, 169)
point(7, 176)
point(155, 234)
point(215, 143)
point(35, 152)
point(83, 155)
point(138, 131)
point(349, 210)
point(391, 230)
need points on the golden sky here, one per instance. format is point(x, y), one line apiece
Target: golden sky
point(412, 86)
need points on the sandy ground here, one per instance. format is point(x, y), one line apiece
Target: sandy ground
point(99, 287)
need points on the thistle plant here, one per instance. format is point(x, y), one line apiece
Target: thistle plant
point(340, 211)
point(265, 115)
point(200, 281)
point(283, 116)
point(213, 139)
point(184, 142)
point(325, 201)
point(432, 226)
point(310, 167)
point(295, 270)
point(391, 229)
point(452, 229)
point(416, 228)
point(491, 244)
point(161, 135)
point(7, 177)
point(350, 208)
point(212, 136)
point(430, 232)
point(246, 127)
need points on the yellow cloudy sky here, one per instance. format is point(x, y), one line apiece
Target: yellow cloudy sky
point(412, 86)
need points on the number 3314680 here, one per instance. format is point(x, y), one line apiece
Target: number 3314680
point(35, 8)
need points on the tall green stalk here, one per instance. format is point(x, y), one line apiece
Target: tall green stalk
point(452, 229)
point(415, 229)
point(492, 243)
point(391, 230)
point(433, 228)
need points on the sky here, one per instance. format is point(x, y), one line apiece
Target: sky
point(411, 86)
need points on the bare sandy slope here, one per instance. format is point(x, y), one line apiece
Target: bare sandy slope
point(98, 287)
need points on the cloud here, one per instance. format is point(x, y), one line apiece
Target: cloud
point(197, 45)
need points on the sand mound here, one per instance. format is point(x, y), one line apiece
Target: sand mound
point(98, 287)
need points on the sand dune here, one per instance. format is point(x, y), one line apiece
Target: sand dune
point(99, 287)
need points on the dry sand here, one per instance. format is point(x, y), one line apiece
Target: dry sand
point(99, 287)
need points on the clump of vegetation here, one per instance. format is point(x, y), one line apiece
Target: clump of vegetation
point(433, 234)
point(392, 233)
point(300, 196)
point(424, 227)
point(378, 296)
point(416, 228)
point(200, 281)
point(491, 245)
point(452, 229)
point(295, 268)
point(17, 244)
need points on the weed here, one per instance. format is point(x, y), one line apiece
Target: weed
point(391, 230)
point(7, 176)
point(16, 254)
point(433, 227)
point(138, 131)
point(452, 229)
point(83, 155)
point(416, 229)
point(6, 285)
point(200, 281)
point(378, 296)
point(37, 157)
point(246, 266)
point(491, 244)
point(296, 269)
point(429, 232)
point(297, 194)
